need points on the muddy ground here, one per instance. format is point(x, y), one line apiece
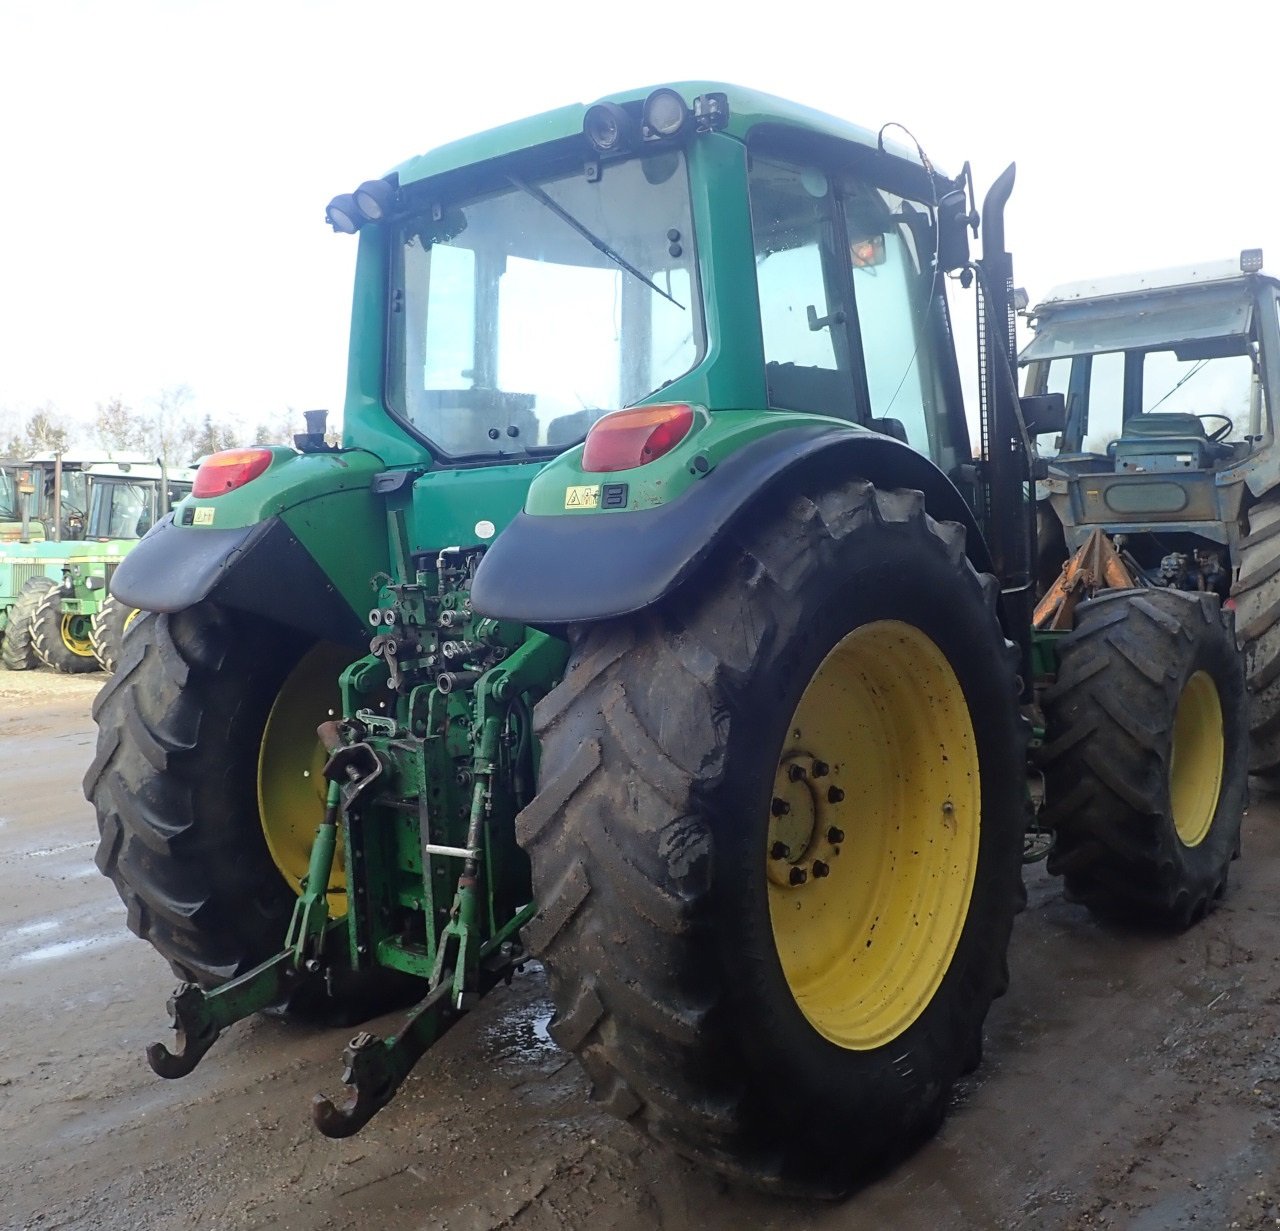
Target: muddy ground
point(1130, 1081)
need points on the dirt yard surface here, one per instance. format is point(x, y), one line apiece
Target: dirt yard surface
point(1129, 1082)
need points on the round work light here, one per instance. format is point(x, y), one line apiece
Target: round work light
point(342, 214)
point(373, 199)
point(665, 114)
point(608, 127)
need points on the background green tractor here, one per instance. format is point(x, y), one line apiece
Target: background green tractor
point(1168, 444)
point(55, 608)
point(655, 619)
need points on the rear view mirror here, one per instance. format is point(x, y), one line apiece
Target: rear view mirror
point(953, 231)
point(1044, 413)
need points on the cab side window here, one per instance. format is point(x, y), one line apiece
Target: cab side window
point(845, 277)
point(800, 267)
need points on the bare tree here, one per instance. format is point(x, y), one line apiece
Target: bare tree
point(214, 437)
point(117, 427)
point(11, 436)
point(172, 435)
point(280, 430)
point(45, 431)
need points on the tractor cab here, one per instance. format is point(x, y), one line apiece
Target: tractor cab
point(127, 499)
point(20, 502)
point(699, 246)
point(1168, 380)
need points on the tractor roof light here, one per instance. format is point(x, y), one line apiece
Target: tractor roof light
point(343, 215)
point(1250, 260)
point(220, 473)
point(374, 199)
point(635, 436)
point(665, 114)
point(609, 128)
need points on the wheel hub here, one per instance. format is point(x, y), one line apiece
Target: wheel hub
point(804, 831)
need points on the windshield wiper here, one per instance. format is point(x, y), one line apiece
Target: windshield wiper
point(591, 237)
point(1199, 366)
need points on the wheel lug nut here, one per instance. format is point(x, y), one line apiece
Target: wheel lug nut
point(799, 876)
point(779, 850)
point(835, 835)
point(834, 794)
point(821, 769)
point(820, 868)
point(796, 773)
point(780, 807)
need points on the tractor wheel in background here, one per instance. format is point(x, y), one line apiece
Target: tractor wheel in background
point(61, 639)
point(1145, 755)
point(1257, 598)
point(776, 849)
point(107, 629)
point(208, 790)
point(18, 651)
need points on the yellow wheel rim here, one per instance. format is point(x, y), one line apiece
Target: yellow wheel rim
point(872, 845)
point(1195, 768)
point(74, 630)
point(291, 787)
point(134, 613)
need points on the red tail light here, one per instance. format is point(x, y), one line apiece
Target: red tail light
point(224, 472)
point(628, 438)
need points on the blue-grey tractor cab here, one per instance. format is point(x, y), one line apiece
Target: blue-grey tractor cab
point(1167, 444)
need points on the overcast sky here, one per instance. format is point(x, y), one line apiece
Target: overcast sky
point(164, 166)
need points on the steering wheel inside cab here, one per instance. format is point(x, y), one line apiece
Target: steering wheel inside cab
point(1222, 431)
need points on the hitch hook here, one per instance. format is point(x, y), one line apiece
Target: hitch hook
point(197, 1032)
point(372, 1083)
point(374, 1067)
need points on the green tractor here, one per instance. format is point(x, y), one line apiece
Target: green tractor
point(654, 619)
point(55, 608)
point(1168, 446)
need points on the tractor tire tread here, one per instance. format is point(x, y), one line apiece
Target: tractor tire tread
point(1107, 753)
point(18, 649)
point(211, 911)
point(47, 639)
point(622, 835)
point(1257, 599)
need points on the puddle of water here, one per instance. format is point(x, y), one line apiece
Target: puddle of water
point(521, 1035)
point(63, 948)
point(56, 850)
point(35, 927)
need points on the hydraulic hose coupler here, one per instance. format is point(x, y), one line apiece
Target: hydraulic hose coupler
point(451, 681)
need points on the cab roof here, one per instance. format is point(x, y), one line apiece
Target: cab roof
point(748, 109)
point(1175, 278)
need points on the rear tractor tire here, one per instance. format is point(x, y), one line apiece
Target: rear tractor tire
point(107, 629)
point(208, 788)
point(1257, 599)
point(18, 650)
point(1145, 755)
point(62, 639)
point(776, 848)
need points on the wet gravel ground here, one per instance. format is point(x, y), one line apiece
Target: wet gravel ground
point(1130, 1081)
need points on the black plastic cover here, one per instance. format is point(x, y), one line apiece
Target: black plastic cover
point(261, 569)
point(550, 571)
